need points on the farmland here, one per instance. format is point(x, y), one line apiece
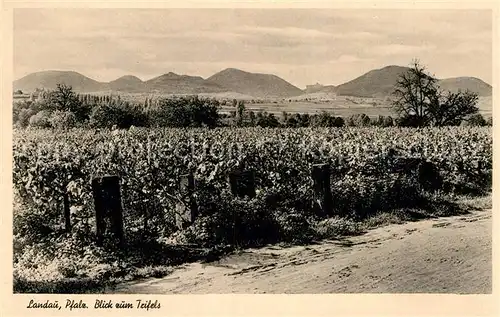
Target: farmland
point(365, 164)
point(342, 106)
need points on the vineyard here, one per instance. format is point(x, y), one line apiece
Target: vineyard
point(371, 172)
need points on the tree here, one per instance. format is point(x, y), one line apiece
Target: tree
point(338, 122)
point(284, 117)
point(23, 117)
point(453, 108)
point(476, 120)
point(186, 112)
point(489, 121)
point(251, 116)
point(305, 120)
point(358, 120)
point(63, 98)
point(379, 122)
point(388, 121)
point(420, 102)
point(266, 120)
point(120, 114)
point(322, 120)
point(292, 121)
point(240, 113)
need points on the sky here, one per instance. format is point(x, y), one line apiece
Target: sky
point(302, 46)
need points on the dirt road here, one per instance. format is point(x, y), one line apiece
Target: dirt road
point(446, 255)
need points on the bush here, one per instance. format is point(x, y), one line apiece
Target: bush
point(122, 115)
point(185, 112)
point(62, 119)
point(475, 120)
point(23, 117)
point(358, 120)
point(293, 226)
point(41, 119)
point(335, 227)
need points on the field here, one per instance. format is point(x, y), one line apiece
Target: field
point(342, 106)
point(372, 172)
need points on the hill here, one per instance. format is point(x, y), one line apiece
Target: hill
point(172, 83)
point(466, 83)
point(375, 83)
point(50, 79)
point(254, 84)
point(127, 83)
point(379, 83)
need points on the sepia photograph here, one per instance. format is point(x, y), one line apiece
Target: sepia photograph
point(251, 151)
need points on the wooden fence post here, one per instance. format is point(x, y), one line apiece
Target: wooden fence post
point(187, 211)
point(322, 188)
point(428, 176)
point(242, 183)
point(67, 215)
point(108, 205)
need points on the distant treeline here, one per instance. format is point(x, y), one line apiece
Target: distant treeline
point(63, 108)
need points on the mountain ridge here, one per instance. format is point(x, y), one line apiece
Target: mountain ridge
point(254, 84)
point(374, 83)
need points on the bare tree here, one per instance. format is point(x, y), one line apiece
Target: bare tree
point(64, 98)
point(420, 102)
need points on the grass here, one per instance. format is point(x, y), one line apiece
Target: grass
point(86, 285)
point(451, 206)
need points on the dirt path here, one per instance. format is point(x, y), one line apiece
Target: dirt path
point(446, 255)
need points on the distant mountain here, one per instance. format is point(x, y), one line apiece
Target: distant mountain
point(466, 83)
point(127, 83)
point(380, 83)
point(50, 79)
point(254, 84)
point(172, 83)
point(375, 83)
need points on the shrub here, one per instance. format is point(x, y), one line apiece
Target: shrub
point(122, 115)
point(293, 226)
point(335, 227)
point(185, 112)
point(23, 117)
point(62, 119)
point(41, 119)
point(475, 120)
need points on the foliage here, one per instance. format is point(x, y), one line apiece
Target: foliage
point(475, 120)
point(22, 116)
point(358, 120)
point(366, 178)
point(150, 162)
point(41, 119)
point(62, 119)
point(120, 114)
point(185, 112)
